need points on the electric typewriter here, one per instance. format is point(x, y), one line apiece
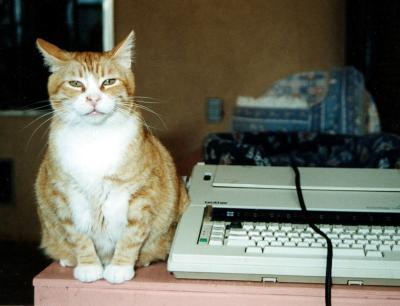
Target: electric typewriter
point(245, 223)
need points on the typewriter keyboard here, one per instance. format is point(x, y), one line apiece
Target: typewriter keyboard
point(287, 238)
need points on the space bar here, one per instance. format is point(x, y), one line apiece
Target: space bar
point(304, 251)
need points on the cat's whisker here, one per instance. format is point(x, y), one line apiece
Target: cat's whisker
point(153, 112)
point(143, 100)
point(144, 97)
point(38, 102)
point(135, 100)
point(45, 133)
point(37, 119)
point(126, 105)
point(146, 102)
point(43, 107)
point(43, 149)
point(124, 111)
point(36, 130)
point(148, 127)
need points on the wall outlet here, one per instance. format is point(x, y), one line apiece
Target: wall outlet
point(215, 110)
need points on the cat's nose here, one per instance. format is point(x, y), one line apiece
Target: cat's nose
point(93, 100)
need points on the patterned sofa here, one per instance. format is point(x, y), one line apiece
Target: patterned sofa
point(304, 149)
point(318, 118)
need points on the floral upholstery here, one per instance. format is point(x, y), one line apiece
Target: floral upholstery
point(334, 102)
point(304, 149)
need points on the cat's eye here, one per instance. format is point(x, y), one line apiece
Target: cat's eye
point(76, 84)
point(109, 82)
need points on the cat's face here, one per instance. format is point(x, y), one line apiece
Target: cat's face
point(90, 87)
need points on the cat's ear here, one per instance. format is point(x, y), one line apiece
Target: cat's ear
point(123, 53)
point(53, 56)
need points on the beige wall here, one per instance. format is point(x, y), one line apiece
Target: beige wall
point(188, 50)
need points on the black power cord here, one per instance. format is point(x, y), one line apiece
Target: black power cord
point(328, 272)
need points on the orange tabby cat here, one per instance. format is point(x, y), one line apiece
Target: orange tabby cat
point(108, 193)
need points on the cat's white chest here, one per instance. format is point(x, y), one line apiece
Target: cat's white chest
point(89, 153)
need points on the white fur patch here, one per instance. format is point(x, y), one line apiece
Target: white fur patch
point(118, 274)
point(115, 210)
point(88, 153)
point(81, 211)
point(88, 273)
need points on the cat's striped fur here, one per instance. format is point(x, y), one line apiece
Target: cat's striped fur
point(108, 193)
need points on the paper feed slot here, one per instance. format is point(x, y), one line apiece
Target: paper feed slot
point(339, 179)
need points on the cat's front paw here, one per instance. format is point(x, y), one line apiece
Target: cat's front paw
point(117, 274)
point(88, 273)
